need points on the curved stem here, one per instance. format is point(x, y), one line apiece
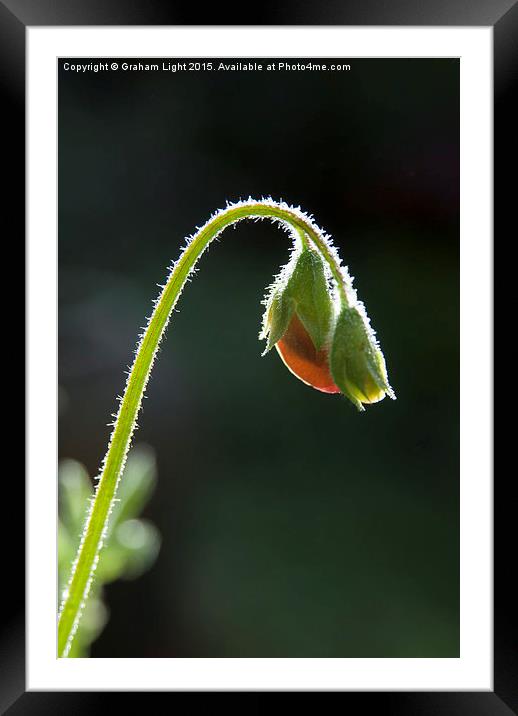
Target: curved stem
point(96, 525)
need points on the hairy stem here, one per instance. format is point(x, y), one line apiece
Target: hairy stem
point(96, 525)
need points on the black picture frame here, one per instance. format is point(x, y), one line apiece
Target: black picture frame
point(502, 15)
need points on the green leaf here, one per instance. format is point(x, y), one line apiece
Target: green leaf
point(137, 487)
point(75, 488)
point(141, 542)
point(131, 544)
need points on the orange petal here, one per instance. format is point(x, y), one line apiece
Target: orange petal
point(301, 357)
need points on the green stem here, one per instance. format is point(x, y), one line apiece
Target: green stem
point(97, 520)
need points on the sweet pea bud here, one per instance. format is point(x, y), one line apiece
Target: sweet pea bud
point(298, 319)
point(356, 361)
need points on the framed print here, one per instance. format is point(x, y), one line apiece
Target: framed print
point(256, 534)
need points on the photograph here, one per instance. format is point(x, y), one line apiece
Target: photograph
point(259, 363)
point(258, 357)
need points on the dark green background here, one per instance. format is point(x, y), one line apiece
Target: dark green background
point(292, 526)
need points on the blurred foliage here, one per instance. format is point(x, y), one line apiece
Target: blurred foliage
point(132, 543)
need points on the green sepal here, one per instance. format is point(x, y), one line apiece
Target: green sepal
point(309, 289)
point(378, 371)
point(356, 362)
point(302, 287)
point(279, 312)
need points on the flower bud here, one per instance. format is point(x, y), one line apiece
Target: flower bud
point(356, 361)
point(333, 356)
point(298, 320)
